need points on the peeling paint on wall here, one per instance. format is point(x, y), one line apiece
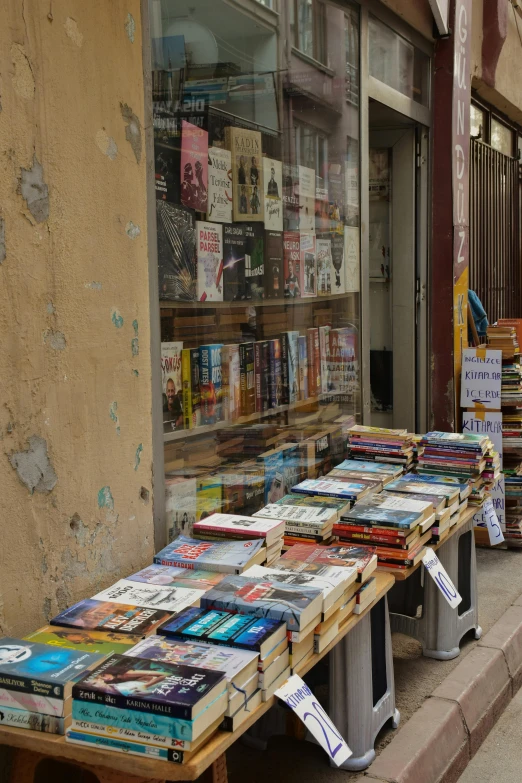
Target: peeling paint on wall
point(35, 191)
point(2, 240)
point(138, 456)
point(71, 28)
point(133, 130)
point(135, 327)
point(136, 373)
point(145, 495)
point(105, 499)
point(114, 416)
point(132, 230)
point(51, 308)
point(106, 144)
point(23, 79)
point(135, 346)
point(56, 339)
point(94, 286)
point(117, 319)
point(130, 27)
point(33, 466)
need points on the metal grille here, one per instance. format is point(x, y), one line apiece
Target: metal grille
point(495, 243)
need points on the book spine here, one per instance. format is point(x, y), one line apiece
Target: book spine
point(265, 376)
point(34, 721)
point(225, 382)
point(176, 731)
point(186, 378)
point(243, 378)
point(258, 369)
point(312, 375)
point(293, 536)
point(324, 354)
point(272, 387)
point(84, 693)
point(291, 618)
point(284, 369)
point(172, 562)
point(14, 682)
point(227, 533)
point(134, 748)
point(303, 368)
point(306, 530)
point(127, 735)
point(375, 539)
point(32, 702)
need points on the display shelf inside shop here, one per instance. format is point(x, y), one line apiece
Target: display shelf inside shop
point(175, 304)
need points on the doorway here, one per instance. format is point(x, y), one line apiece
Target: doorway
point(396, 271)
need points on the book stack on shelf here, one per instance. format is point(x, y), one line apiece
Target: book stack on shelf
point(434, 488)
point(383, 445)
point(229, 557)
point(305, 518)
point(380, 471)
point(268, 529)
point(350, 491)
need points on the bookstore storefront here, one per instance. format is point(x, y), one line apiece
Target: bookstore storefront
point(291, 149)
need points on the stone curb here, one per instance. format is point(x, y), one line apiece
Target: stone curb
point(437, 743)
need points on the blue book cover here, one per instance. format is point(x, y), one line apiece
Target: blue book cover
point(145, 722)
point(363, 466)
point(225, 556)
point(266, 597)
point(428, 478)
point(329, 488)
point(30, 667)
point(274, 475)
point(211, 390)
point(151, 686)
point(387, 517)
point(134, 748)
point(97, 615)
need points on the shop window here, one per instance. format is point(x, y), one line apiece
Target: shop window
point(308, 28)
point(351, 43)
point(397, 63)
point(477, 122)
point(501, 137)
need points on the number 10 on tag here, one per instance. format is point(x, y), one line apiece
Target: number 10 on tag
point(438, 573)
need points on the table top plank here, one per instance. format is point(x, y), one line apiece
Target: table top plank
point(56, 746)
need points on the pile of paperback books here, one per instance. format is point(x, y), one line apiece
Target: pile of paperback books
point(269, 529)
point(397, 447)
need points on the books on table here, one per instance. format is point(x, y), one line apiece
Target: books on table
point(226, 556)
point(269, 528)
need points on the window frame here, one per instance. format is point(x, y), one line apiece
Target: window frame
point(490, 114)
point(319, 42)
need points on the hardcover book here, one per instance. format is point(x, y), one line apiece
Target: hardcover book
point(306, 199)
point(176, 577)
point(234, 251)
point(247, 173)
point(210, 261)
point(324, 266)
point(40, 668)
point(273, 190)
point(255, 262)
point(172, 599)
point(308, 264)
point(177, 260)
point(84, 641)
point(194, 167)
point(274, 265)
point(227, 556)
point(105, 616)
point(172, 386)
point(151, 686)
point(270, 529)
point(293, 277)
point(190, 385)
point(290, 197)
point(210, 383)
point(219, 185)
point(263, 597)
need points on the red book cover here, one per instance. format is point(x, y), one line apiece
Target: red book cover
point(258, 369)
point(293, 271)
point(194, 167)
point(359, 557)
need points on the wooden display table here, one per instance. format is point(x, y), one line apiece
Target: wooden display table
point(33, 748)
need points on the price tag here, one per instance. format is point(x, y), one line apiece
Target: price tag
point(298, 696)
point(495, 533)
point(438, 573)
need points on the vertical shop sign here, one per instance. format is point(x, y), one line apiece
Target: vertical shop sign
point(460, 179)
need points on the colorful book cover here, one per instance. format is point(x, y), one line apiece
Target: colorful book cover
point(285, 391)
point(180, 505)
point(258, 374)
point(247, 378)
point(293, 365)
point(263, 597)
point(209, 495)
point(237, 525)
point(314, 362)
point(176, 732)
point(324, 354)
point(219, 185)
point(348, 371)
point(418, 487)
point(235, 630)
point(40, 668)
point(367, 466)
point(326, 582)
point(292, 465)
point(177, 259)
point(231, 380)
point(210, 261)
point(306, 199)
point(274, 265)
point(172, 599)
point(194, 167)
point(293, 277)
point(34, 721)
point(33, 702)
point(338, 489)
point(234, 251)
point(151, 686)
point(191, 391)
point(113, 743)
point(303, 367)
point(359, 557)
point(85, 641)
point(104, 616)
point(307, 515)
point(272, 462)
point(226, 556)
point(210, 383)
point(247, 173)
point(274, 377)
point(305, 500)
point(273, 175)
point(324, 266)
point(290, 197)
point(338, 264)
point(172, 385)
point(379, 515)
point(308, 263)
point(176, 577)
point(255, 261)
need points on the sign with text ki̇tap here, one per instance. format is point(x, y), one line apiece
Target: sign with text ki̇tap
point(481, 379)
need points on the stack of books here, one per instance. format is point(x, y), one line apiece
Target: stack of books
point(504, 338)
point(230, 557)
point(350, 491)
point(159, 709)
point(382, 472)
point(427, 488)
point(398, 527)
point(268, 528)
point(382, 445)
point(36, 681)
point(311, 519)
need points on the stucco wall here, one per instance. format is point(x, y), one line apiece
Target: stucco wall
point(75, 401)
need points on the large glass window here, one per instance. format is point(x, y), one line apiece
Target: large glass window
point(396, 62)
point(257, 203)
point(501, 137)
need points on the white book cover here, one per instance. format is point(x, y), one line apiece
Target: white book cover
point(308, 515)
point(219, 185)
point(421, 489)
point(234, 523)
point(306, 199)
point(273, 196)
point(404, 504)
point(325, 272)
point(308, 263)
point(335, 576)
point(209, 238)
point(352, 258)
point(180, 506)
point(171, 599)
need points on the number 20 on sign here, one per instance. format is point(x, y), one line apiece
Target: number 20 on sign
point(298, 696)
point(438, 573)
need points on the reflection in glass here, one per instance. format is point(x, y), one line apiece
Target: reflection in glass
point(501, 137)
point(398, 63)
point(476, 122)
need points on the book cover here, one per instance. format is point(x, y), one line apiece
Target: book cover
point(368, 466)
point(389, 517)
point(210, 383)
point(104, 616)
point(190, 385)
point(274, 378)
point(273, 194)
point(247, 173)
point(307, 515)
point(167, 162)
point(247, 527)
point(293, 277)
point(293, 469)
point(180, 505)
point(264, 597)
point(338, 263)
point(172, 599)
point(324, 266)
point(274, 265)
point(33, 702)
point(177, 690)
point(226, 556)
point(255, 261)
point(293, 365)
point(40, 668)
point(285, 391)
point(358, 557)
point(234, 252)
point(34, 721)
point(219, 185)
point(258, 374)
point(194, 167)
point(175, 731)
point(177, 259)
point(303, 367)
point(306, 199)
point(231, 379)
point(329, 580)
point(314, 362)
point(176, 577)
point(210, 261)
point(234, 630)
point(115, 744)
point(172, 386)
point(84, 641)
point(290, 197)
point(324, 354)
point(247, 378)
point(339, 489)
point(272, 462)
point(209, 495)
point(347, 372)
point(308, 263)
point(330, 504)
